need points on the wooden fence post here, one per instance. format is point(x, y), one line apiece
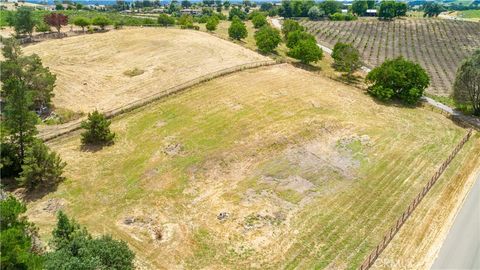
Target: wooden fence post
point(411, 207)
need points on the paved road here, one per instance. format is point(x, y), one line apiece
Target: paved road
point(469, 119)
point(461, 249)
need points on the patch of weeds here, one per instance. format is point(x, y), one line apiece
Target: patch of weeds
point(133, 72)
point(464, 108)
point(61, 116)
point(253, 221)
point(204, 248)
point(290, 196)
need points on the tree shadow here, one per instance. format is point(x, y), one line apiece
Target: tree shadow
point(92, 147)
point(307, 67)
point(350, 79)
point(11, 185)
point(40, 191)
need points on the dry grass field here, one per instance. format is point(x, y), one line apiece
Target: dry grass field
point(266, 168)
point(106, 71)
point(438, 45)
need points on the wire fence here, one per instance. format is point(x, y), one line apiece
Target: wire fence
point(405, 215)
point(75, 125)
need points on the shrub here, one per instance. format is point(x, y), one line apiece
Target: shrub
point(118, 24)
point(42, 27)
point(306, 51)
point(295, 36)
point(467, 83)
point(267, 39)
point(81, 22)
point(259, 20)
point(290, 26)
point(186, 21)
point(41, 167)
point(212, 23)
point(343, 17)
point(237, 29)
point(398, 78)
point(346, 58)
point(101, 22)
point(165, 20)
point(97, 129)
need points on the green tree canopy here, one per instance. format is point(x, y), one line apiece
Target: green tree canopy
point(41, 167)
point(359, 7)
point(432, 9)
point(236, 12)
point(346, 58)
point(23, 22)
point(237, 29)
point(295, 36)
point(165, 20)
point(259, 20)
point(331, 6)
point(391, 9)
point(75, 248)
point(81, 22)
point(212, 23)
point(101, 21)
point(306, 51)
point(267, 39)
point(30, 71)
point(290, 26)
point(97, 130)
point(467, 83)
point(315, 13)
point(16, 233)
point(398, 78)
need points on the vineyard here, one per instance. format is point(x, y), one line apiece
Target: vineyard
point(438, 45)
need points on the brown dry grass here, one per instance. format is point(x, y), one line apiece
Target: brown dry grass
point(90, 68)
point(272, 147)
point(420, 239)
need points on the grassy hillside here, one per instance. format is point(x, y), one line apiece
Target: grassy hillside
point(268, 168)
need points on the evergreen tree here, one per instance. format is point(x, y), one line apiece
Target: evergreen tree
point(16, 235)
point(97, 129)
point(19, 121)
point(41, 167)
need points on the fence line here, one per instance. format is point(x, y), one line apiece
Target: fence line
point(372, 257)
point(75, 125)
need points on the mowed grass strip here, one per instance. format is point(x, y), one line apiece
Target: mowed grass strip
point(182, 161)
